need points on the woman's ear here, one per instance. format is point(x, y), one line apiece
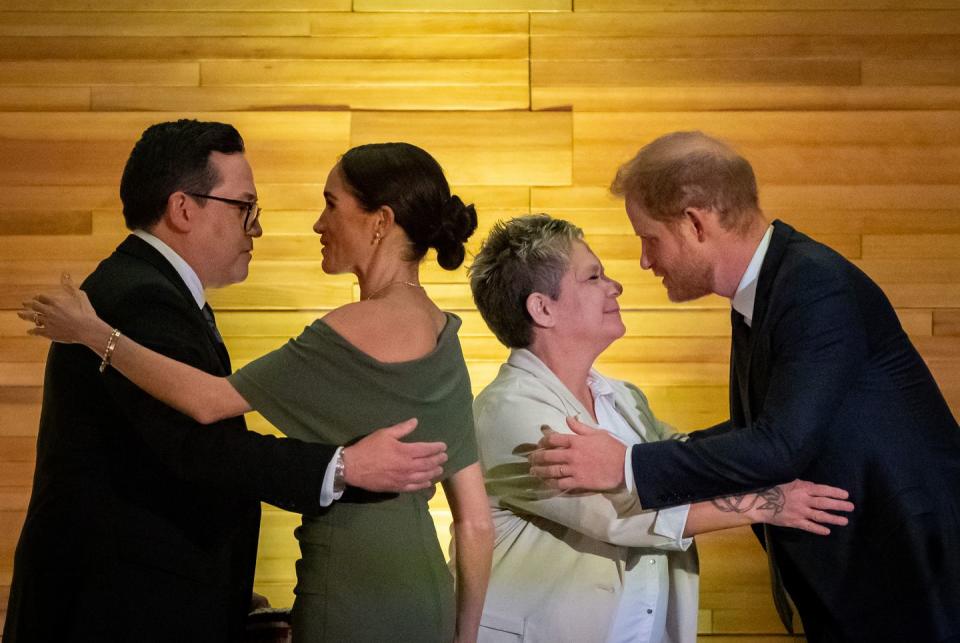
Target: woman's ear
point(385, 219)
point(540, 309)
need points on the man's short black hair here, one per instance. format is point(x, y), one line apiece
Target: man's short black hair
point(169, 157)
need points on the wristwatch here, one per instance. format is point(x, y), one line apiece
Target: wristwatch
point(339, 469)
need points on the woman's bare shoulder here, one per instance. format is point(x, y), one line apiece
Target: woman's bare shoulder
point(386, 331)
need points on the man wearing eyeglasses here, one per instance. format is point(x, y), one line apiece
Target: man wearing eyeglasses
point(142, 524)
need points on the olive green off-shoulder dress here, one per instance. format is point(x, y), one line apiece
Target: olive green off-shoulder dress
point(371, 567)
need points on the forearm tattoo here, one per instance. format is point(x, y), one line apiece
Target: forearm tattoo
point(771, 500)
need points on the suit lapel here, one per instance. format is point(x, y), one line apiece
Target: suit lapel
point(740, 354)
point(744, 336)
point(768, 271)
point(137, 247)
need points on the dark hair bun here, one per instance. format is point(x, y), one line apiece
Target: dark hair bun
point(457, 223)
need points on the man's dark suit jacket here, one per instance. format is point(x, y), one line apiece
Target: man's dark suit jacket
point(827, 387)
point(143, 524)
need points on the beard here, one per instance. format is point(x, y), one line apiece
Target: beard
point(689, 281)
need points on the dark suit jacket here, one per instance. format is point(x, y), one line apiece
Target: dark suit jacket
point(827, 387)
point(143, 525)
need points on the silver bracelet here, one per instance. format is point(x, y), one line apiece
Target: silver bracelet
point(339, 472)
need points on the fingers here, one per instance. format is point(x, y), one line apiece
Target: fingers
point(403, 428)
point(579, 427)
point(426, 476)
point(814, 528)
point(828, 491)
point(549, 456)
point(416, 486)
point(420, 450)
point(556, 441)
point(828, 504)
point(825, 518)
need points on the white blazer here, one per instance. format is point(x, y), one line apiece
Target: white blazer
point(558, 559)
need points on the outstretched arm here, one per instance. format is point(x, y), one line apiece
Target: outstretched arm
point(473, 529)
point(598, 463)
point(799, 504)
point(68, 317)
point(378, 462)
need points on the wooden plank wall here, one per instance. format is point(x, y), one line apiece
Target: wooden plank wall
point(850, 110)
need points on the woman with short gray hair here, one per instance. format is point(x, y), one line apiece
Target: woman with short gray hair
point(585, 566)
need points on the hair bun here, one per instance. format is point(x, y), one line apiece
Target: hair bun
point(457, 223)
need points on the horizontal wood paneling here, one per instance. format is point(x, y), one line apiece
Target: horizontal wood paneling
point(743, 22)
point(146, 23)
point(756, 5)
point(849, 110)
point(96, 72)
point(178, 5)
point(741, 97)
point(462, 5)
point(511, 148)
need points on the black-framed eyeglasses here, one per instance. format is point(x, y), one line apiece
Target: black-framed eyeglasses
point(251, 211)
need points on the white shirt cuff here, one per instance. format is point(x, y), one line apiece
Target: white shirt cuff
point(628, 471)
point(327, 495)
point(670, 523)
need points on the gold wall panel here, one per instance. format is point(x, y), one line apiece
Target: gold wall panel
point(508, 148)
point(219, 6)
point(462, 5)
point(849, 109)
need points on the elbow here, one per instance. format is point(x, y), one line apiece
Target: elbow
point(202, 415)
point(206, 411)
point(477, 529)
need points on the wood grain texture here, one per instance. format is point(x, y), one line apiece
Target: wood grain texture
point(848, 109)
point(757, 5)
point(511, 148)
point(462, 5)
point(85, 73)
point(745, 22)
point(179, 6)
point(735, 97)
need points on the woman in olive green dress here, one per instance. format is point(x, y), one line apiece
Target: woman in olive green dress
point(371, 567)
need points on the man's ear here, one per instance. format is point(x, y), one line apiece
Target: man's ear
point(180, 212)
point(700, 221)
point(540, 309)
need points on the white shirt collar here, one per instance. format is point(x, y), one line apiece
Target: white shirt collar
point(599, 385)
point(743, 299)
point(183, 269)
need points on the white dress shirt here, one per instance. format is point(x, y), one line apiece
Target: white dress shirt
point(192, 281)
point(642, 612)
point(746, 294)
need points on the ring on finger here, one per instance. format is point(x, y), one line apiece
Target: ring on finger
point(38, 320)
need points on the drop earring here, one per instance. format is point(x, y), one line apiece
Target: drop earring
point(376, 239)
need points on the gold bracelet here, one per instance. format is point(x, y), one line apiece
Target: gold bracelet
point(108, 351)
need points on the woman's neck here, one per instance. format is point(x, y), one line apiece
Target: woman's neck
point(378, 280)
point(572, 368)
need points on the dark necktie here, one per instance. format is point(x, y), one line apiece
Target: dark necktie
point(741, 360)
point(211, 322)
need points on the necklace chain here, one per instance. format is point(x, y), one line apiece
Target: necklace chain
point(392, 283)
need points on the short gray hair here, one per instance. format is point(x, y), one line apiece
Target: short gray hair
point(524, 255)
